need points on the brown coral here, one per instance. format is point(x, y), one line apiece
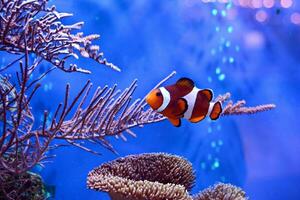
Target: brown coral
point(154, 176)
point(221, 191)
point(25, 186)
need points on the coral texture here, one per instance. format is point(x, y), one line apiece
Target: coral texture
point(35, 34)
point(25, 186)
point(239, 107)
point(221, 191)
point(32, 26)
point(155, 176)
point(147, 176)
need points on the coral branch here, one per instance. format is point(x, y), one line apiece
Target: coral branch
point(30, 27)
point(19, 152)
point(239, 107)
point(31, 24)
point(108, 113)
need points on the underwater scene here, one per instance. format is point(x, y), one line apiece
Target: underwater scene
point(149, 99)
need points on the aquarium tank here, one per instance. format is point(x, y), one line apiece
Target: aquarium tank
point(149, 99)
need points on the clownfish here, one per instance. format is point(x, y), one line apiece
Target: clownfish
point(184, 100)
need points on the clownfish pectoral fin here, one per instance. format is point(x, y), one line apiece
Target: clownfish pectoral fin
point(182, 106)
point(175, 122)
point(197, 119)
point(208, 93)
point(216, 111)
point(186, 82)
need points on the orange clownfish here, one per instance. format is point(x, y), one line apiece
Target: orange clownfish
point(184, 100)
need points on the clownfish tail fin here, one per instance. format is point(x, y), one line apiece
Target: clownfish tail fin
point(215, 111)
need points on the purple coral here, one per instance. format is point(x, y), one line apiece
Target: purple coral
point(221, 191)
point(32, 26)
point(239, 107)
point(155, 176)
point(146, 176)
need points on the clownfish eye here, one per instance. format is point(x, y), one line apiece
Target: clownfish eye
point(158, 94)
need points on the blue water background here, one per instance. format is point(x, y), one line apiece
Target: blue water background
point(150, 39)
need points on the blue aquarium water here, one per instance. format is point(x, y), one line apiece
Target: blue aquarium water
point(248, 48)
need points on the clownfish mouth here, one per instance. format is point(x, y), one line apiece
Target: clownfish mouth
point(153, 100)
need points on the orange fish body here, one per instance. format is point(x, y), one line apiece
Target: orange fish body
point(184, 100)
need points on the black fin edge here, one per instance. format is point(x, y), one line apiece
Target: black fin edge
point(220, 112)
point(179, 123)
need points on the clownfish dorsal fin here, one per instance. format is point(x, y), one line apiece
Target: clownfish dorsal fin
point(175, 122)
point(182, 106)
point(186, 82)
point(208, 93)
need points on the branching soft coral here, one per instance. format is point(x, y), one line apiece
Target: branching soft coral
point(31, 26)
point(108, 113)
point(28, 27)
point(239, 107)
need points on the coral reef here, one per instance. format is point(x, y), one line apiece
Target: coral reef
point(30, 28)
point(154, 176)
point(34, 34)
point(221, 191)
point(145, 176)
point(106, 114)
point(25, 186)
